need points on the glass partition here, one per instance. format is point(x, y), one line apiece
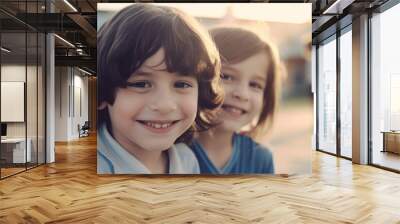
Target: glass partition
point(346, 93)
point(22, 87)
point(327, 96)
point(31, 99)
point(13, 95)
point(41, 110)
point(385, 88)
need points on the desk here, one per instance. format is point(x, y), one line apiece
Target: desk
point(15, 148)
point(391, 141)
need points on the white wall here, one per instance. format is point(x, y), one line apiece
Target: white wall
point(80, 99)
point(70, 83)
point(61, 103)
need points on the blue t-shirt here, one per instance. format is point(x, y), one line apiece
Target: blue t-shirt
point(248, 157)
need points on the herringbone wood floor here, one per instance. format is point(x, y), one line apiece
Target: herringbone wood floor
point(70, 191)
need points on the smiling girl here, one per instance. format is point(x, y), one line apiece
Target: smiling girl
point(158, 71)
point(250, 81)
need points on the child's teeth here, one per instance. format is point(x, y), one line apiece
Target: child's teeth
point(235, 110)
point(157, 125)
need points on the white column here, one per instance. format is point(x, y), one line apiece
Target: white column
point(50, 100)
point(50, 92)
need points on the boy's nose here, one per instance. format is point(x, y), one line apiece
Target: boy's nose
point(163, 103)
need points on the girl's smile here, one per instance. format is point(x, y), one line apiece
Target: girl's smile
point(244, 84)
point(233, 111)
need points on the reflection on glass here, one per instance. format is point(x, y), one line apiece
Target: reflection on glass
point(41, 99)
point(346, 94)
point(327, 97)
point(395, 102)
point(31, 101)
point(385, 87)
point(13, 86)
point(22, 90)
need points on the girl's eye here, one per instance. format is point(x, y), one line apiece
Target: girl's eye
point(182, 84)
point(225, 76)
point(140, 84)
point(256, 85)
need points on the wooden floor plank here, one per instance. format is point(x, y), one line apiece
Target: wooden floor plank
point(70, 191)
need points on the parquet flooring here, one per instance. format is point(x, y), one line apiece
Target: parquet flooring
point(70, 191)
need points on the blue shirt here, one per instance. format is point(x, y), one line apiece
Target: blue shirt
point(248, 157)
point(112, 158)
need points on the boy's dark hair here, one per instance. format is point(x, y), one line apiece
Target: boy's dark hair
point(237, 44)
point(136, 33)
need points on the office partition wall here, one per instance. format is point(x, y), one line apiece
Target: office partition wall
point(13, 78)
point(22, 77)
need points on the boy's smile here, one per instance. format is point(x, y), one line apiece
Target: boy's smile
point(158, 126)
point(155, 108)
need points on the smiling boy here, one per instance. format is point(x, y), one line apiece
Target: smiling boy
point(150, 89)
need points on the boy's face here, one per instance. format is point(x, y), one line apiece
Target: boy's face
point(156, 107)
point(244, 85)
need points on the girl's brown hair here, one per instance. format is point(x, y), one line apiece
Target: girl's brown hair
point(237, 44)
point(136, 33)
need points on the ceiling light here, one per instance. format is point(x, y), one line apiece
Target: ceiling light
point(84, 71)
point(70, 5)
point(337, 7)
point(5, 50)
point(64, 40)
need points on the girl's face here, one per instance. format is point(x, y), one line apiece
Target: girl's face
point(156, 107)
point(244, 85)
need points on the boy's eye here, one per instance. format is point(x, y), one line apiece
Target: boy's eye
point(256, 85)
point(182, 84)
point(225, 76)
point(140, 84)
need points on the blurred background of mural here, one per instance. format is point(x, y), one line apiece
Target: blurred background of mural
point(288, 26)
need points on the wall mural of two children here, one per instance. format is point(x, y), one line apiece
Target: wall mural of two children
point(175, 98)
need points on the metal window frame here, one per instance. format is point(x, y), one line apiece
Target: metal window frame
point(340, 30)
point(381, 9)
